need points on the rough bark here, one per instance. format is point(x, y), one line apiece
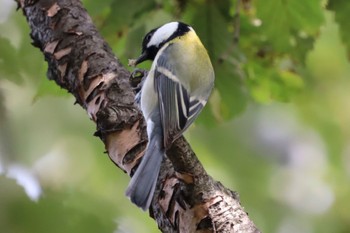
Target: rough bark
point(187, 199)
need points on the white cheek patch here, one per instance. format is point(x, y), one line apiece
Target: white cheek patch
point(163, 33)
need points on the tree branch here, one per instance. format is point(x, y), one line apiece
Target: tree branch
point(187, 199)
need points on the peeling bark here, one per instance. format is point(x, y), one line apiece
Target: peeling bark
point(186, 199)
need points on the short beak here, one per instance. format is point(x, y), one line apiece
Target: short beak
point(141, 58)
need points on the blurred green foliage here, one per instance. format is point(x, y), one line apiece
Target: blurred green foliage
point(277, 128)
point(341, 9)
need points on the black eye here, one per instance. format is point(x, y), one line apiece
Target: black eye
point(148, 37)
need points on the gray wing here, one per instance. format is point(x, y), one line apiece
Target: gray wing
point(177, 108)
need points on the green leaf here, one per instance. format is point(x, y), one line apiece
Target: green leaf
point(134, 41)
point(281, 17)
point(36, 71)
point(267, 83)
point(18, 58)
point(124, 13)
point(305, 16)
point(229, 83)
point(97, 9)
point(291, 81)
point(341, 9)
point(304, 44)
point(274, 23)
point(258, 82)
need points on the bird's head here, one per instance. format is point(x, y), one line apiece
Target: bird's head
point(156, 38)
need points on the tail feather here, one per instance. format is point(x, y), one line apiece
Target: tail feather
point(143, 183)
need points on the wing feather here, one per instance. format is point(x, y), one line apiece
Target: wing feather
point(178, 109)
point(173, 104)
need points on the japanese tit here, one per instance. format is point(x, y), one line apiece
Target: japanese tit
point(173, 94)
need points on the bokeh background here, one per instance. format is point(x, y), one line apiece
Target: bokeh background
point(277, 129)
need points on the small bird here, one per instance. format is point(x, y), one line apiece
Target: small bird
point(173, 94)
